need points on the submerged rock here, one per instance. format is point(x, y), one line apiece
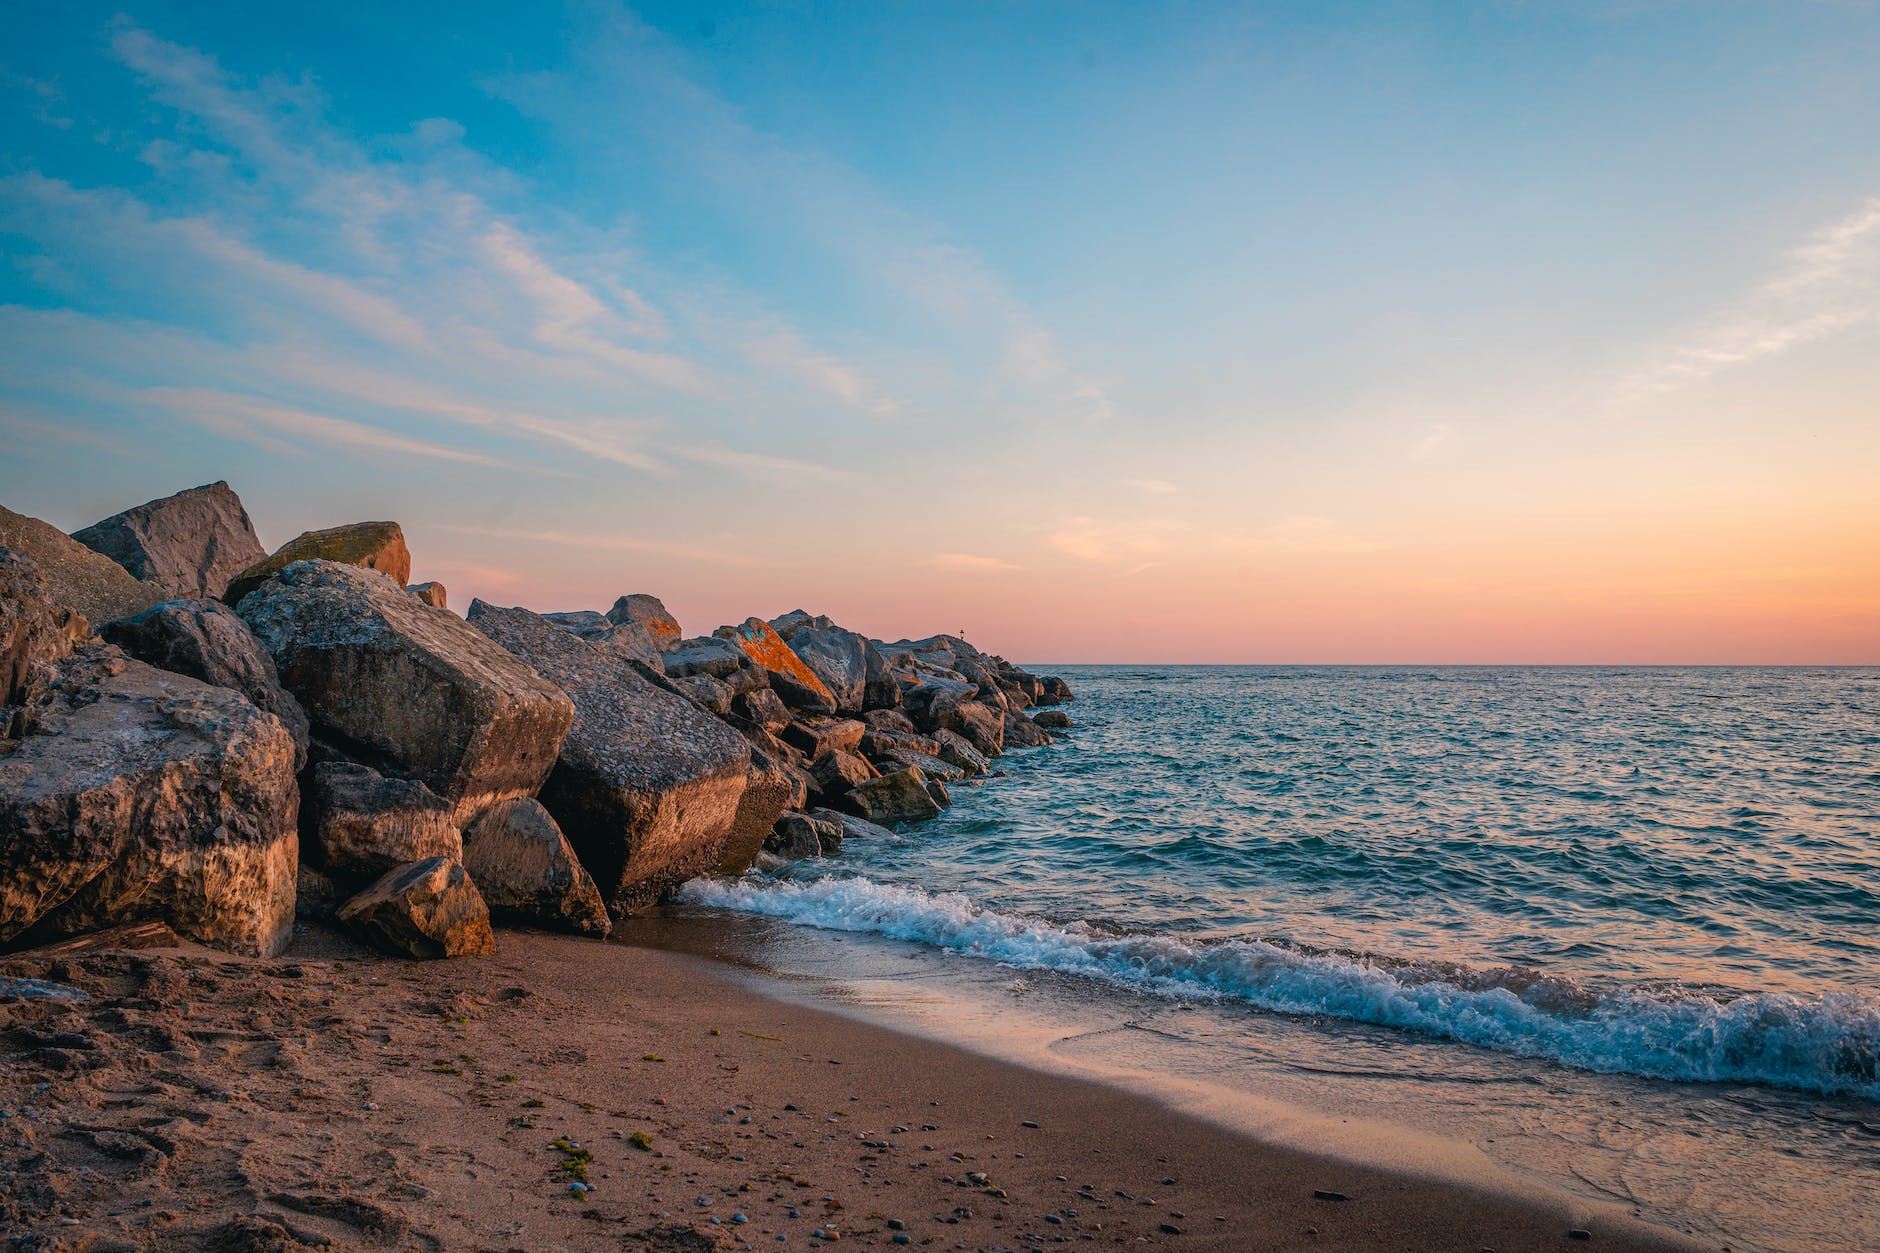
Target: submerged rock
point(406, 686)
point(73, 575)
point(647, 786)
point(371, 545)
point(146, 795)
point(189, 544)
point(359, 824)
point(1052, 719)
point(527, 871)
point(205, 640)
point(426, 909)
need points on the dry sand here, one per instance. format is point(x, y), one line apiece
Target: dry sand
point(334, 1098)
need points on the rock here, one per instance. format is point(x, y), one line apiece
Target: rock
point(836, 772)
point(936, 769)
point(432, 594)
point(205, 640)
point(892, 720)
point(629, 639)
point(72, 575)
point(769, 789)
point(649, 614)
point(938, 791)
point(930, 698)
point(982, 725)
point(853, 828)
point(1052, 719)
point(527, 872)
point(957, 750)
point(762, 706)
point(403, 686)
point(721, 659)
point(837, 657)
point(709, 694)
point(799, 836)
point(426, 909)
point(189, 544)
point(34, 628)
point(881, 743)
point(1053, 690)
point(789, 677)
point(1020, 731)
point(315, 895)
point(900, 796)
point(373, 545)
point(145, 795)
point(879, 687)
point(358, 824)
point(816, 736)
point(647, 787)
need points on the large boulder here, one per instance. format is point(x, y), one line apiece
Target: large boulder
point(955, 749)
point(73, 575)
point(789, 677)
point(816, 736)
point(801, 837)
point(142, 794)
point(403, 686)
point(34, 629)
point(205, 640)
point(371, 545)
point(1020, 731)
point(426, 909)
point(647, 786)
point(853, 828)
point(1053, 690)
point(629, 639)
point(880, 690)
point(1052, 719)
point(768, 791)
point(762, 707)
point(647, 613)
point(358, 824)
point(837, 772)
point(900, 796)
point(720, 659)
point(527, 871)
point(189, 544)
point(837, 657)
point(982, 725)
point(711, 695)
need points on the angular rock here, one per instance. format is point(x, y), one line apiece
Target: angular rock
point(800, 837)
point(647, 787)
point(762, 706)
point(1021, 732)
point(1053, 690)
point(426, 909)
point(880, 743)
point(205, 640)
point(893, 720)
point(357, 824)
point(629, 639)
point(900, 796)
point(938, 791)
point(789, 677)
point(768, 791)
point(721, 659)
point(936, 769)
point(432, 594)
point(372, 545)
point(816, 736)
point(853, 828)
point(982, 725)
point(955, 749)
point(402, 685)
point(711, 695)
point(837, 772)
point(34, 629)
point(145, 795)
point(880, 690)
point(1052, 719)
point(73, 575)
point(190, 544)
point(646, 612)
point(528, 873)
point(837, 657)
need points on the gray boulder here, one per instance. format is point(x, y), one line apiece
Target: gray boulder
point(189, 544)
point(647, 787)
point(145, 795)
point(900, 796)
point(836, 656)
point(427, 909)
point(709, 694)
point(1020, 731)
point(205, 640)
point(816, 736)
point(762, 707)
point(72, 575)
point(721, 659)
point(789, 677)
point(646, 612)
point(982, 725)
point(408, 687)
point(358, 824)
point(1053, 690)
point(880, 690)
point(853, 828)
point(528, 873)
point(1052, 719)
point(934, 768)
point(769, 789)
point(837, 772)
point(801, 837)
point(629, 639)
point(955, 749)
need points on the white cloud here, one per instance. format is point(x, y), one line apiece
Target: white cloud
point(283, 428)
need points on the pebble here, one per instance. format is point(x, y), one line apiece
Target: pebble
point(740, 1219)
point(1029, 1123)
point(1170, 1229)
point(895, 1224)
point(1579, 1233)
point(903, 1238)
point(1322, 1194)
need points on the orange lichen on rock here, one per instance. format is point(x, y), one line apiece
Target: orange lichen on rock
point(765, 647)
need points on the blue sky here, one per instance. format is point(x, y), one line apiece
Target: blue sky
point(1285, 332)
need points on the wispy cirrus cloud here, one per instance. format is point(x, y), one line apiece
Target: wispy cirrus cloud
point(283, 428)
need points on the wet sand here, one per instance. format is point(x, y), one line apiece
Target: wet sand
point(334, 1098)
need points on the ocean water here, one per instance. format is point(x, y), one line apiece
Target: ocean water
point(1669, 875)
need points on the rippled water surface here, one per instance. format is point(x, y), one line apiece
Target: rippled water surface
point(1669, 872)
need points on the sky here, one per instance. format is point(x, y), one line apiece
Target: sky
point(1448, 332)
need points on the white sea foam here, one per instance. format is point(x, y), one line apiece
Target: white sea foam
point(1829, 1044)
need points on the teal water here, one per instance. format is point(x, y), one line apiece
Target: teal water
point(1663, 872)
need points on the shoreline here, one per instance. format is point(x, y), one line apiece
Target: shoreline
point(335, 1094)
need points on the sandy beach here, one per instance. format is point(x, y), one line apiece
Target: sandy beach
point(334, 1098)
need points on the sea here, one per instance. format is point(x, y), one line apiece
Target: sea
point(1615, 931)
